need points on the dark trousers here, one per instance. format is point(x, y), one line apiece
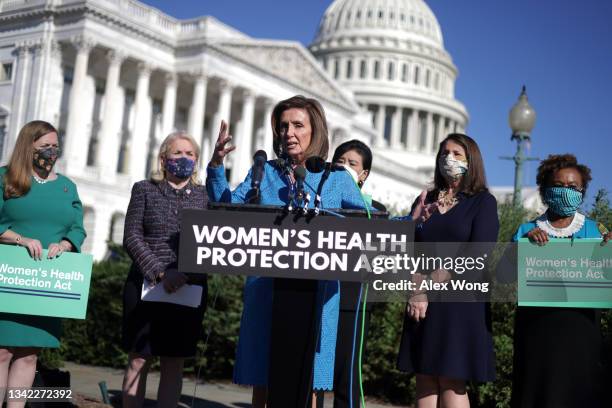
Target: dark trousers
point(344, 352)
point(342, 367)
point(293, 342)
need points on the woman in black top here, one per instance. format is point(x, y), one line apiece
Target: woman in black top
point(151, 238)
point(356, 156)
point(449, 343)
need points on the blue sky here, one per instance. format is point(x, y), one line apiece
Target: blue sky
point(560, 49)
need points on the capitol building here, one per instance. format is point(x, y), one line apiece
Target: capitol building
point(116, 76)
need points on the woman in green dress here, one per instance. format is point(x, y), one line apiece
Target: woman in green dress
point(39, 209)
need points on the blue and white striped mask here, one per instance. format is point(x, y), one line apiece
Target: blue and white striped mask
point(563, 201)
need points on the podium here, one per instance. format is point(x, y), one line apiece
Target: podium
point(295, 321)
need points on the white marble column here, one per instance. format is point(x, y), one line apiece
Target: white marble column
point(36, 77)
point(460, 128)
point(396, 127)
point(101, 232)
point(195, 123)
point(343, 68)
point(49, 91)
point(110, 140)
point(244, 150)
point(139, 147)
point(77, 140)
point(441, 134)
point(380, 126)
point(223, 112)
point(18, 103)
point(429, 136)
point(268, 140)
point(414, 135)
point(169, 108)
point(445, 127)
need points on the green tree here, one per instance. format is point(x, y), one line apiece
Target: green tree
point(601, 210)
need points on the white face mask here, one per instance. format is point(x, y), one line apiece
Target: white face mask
point(452, 168)
point(353, 173)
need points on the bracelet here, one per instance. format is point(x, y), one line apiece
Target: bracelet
point(18, 240)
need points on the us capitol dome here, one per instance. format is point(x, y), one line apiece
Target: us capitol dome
point(390, 54)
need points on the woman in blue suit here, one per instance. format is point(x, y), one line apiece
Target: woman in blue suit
point(300, 132)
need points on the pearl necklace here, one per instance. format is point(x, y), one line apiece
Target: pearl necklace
point(39, 180)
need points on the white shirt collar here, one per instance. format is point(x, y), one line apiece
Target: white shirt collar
point(575, 226)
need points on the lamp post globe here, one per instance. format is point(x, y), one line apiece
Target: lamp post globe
point(522, 117)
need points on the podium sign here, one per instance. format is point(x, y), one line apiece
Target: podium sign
point(274, 244)
point(563, 273)
point(56, 287)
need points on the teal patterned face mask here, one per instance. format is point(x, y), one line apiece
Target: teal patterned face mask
point(563, 201)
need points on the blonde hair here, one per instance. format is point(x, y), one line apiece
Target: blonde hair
point(18, 177)
point(159, 174)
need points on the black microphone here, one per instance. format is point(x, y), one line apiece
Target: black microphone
point(259, 160)
point(300, 174)
point(257, 172)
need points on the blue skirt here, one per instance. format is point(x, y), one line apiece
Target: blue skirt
point(253, 352)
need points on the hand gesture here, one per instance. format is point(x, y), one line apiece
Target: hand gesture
point(538, 236)
point(220, 150)
point(173, 280)
point(33, 246)
point(423, 211)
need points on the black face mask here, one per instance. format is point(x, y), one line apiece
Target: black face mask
point(44, 159)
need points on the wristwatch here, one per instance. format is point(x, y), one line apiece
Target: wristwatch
point(18, 240)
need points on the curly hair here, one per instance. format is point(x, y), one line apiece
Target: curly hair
point(556, 162)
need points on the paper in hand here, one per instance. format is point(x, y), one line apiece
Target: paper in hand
point(186, 295)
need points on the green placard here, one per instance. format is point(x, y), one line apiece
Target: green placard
point(565, 273)
point(56, 287)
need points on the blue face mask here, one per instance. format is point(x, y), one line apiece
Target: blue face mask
point(563, 201)
point(181, 168)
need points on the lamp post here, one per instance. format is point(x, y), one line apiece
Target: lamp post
point(521, 120)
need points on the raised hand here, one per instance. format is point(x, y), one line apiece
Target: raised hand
point(423, 211)
point(220, 146)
